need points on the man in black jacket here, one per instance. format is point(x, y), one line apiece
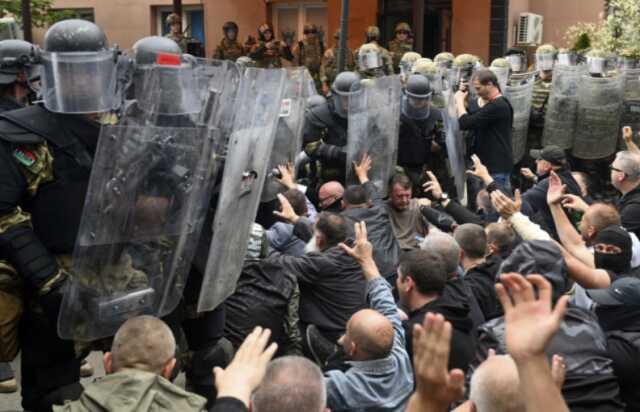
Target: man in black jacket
point(422, 277)
point(491, 125)
point(590, 383)
point(625, 177)
point(364, 203)
point(534, 200)
point(618, 313)
point(332, 287)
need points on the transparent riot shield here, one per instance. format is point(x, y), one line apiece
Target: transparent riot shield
point(520, 98)
point(502, 73)
point(288, 140)
point(562, 108)
point(631, 105)
point(598, 120)
point(259, 102)
point(456, 149)
point(374, 125)
point(141, 221)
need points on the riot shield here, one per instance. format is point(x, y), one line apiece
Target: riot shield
point(562, 108)
point(288, 140)
point(259, 102)
point(631, 105)
point(374, 125)
point(141, 221)
point(502, 73)
point(456, 149)
point(520, 98)
point(599, 111)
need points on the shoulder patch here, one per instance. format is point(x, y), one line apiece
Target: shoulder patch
point(25, 157)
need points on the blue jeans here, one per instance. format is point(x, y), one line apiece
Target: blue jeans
point(503, 179)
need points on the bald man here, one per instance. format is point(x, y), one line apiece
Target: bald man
point(495, 386)
point(330, 195)
point(380, 376)
point(138, 368)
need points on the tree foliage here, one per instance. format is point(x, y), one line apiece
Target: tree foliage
point(42, 12)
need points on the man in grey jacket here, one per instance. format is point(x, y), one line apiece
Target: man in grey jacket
point(380, 376)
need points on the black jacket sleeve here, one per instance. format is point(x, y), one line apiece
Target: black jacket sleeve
point(462, 215)
point(228, 405)
point(18, 243)
point(482, 118)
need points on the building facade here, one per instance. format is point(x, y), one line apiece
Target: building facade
point(482, 27)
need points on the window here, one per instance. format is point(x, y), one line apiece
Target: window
point(293, 16)
point(192, 21)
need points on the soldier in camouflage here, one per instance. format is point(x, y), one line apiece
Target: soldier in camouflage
point(545, 59)
point(401, 44)
point(309, 51)
point(229, 47)
point(268, 52)
point(372, 37)
point(329, 66)
point(175, 31)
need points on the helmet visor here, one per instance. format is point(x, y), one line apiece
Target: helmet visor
point(79, 82)
point(545, 62)
point(169, 90)
point(369, 60)
point(517, 62)
point(417, 108)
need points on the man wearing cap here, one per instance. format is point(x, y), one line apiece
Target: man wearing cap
point(534, 200)
point(618, 313)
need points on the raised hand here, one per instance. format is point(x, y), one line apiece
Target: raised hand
point(286, 212)
point(530, 321)
point(248, 367)
point(556, 190)
point(504, 205)
point(433, 186)
point(362, 168)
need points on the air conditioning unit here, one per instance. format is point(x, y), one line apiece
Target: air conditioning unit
point(530, 29)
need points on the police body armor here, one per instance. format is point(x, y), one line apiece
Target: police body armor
point(322, 123)
point(56, 227)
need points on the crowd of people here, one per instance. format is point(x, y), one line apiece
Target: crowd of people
point(405, 295)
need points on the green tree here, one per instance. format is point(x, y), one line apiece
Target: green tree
point(42, 13)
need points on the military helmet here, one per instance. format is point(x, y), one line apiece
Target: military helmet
point(547, 49)
point(315, 101)
point(172, 19)
point(372, 33)
point(465, 60)
point(264, 28)
point(407, 61)
point(75, 35)
point(425, 67)
point(416, 97)
point(501, 62)
point(15, 56)
point(345, 84)
point(403, 27)
point(245, 61)
point(147, 49)
point(418, 86)
point(73, 85)
point(444, 60)
point(369, 57)
point(230, 25)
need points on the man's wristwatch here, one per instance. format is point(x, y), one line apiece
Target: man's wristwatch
point(443, 197)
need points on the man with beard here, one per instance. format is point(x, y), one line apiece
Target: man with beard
point(618, 311)
point(422, 278)
point(229, 47)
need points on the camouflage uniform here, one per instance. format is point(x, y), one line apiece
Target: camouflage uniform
point(399, 47)
point(539, 101)
point(229, 50)
point(329, 66)
point(268, 54)
point(182, 41)
point(309, 53)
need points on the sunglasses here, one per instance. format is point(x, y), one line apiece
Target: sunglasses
point(310, 32)
point(611, 167)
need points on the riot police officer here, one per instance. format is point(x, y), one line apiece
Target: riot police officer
point(15, 73)
point(229, 47)
point(325, 130)
point(545, 60)
point(421, 130)
point(329, 67)
point(47, 151)
point(309, 52)
point(175, 31)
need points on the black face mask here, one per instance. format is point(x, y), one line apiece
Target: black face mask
point(619, 263)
